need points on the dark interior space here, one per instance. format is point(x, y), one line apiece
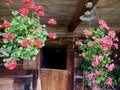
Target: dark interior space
point(54, 57)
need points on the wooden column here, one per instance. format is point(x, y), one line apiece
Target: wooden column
point(70, 66)
point(34, 80)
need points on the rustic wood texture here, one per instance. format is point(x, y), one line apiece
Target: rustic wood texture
point(67, 11)
point(6, 83)
point(70, 66)
point(53, 79)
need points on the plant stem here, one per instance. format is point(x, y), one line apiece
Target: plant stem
point(9, 6)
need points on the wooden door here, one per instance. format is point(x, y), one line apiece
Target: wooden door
point(59, 76)
point(54, 79)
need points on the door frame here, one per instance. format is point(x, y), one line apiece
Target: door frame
point(69, 60)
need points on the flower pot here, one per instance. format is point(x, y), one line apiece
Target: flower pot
point(97, 87)
point(32, 64)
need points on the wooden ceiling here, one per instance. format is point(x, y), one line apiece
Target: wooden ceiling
point(67, 12)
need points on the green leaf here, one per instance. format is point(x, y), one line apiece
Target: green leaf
point(33, 57)
point(5, 41)
point(7, 60)
point(14, 13)
point(9, 48)
point(19, 39)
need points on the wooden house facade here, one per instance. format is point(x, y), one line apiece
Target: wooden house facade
point(57, 66)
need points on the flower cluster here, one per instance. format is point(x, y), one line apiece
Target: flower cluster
point(96, 49)
point(24, 35)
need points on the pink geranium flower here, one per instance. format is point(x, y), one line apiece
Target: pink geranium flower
point(110, 67)
point(98, 57)
point(90, 44)
point(87, 33)
point(115, 45)
point(90, 76)
point(97, 40)
point(94, 82)
point(103, 24)
point(116, 39)
point(95, 63)
point(104, 47)
point(101, 57)
point(98, 73)
point(112, 34)
point(109, 81)
point(83, 54)
point(78, 42)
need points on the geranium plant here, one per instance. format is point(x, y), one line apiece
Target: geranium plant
point(96, 49)
point(24, 35)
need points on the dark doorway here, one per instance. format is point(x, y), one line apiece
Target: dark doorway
point(54, 57)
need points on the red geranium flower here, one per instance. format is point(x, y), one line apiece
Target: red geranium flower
point(40, 14)
point(23, 12)
point(26, 43)
point(8, 1)
point(52, 35)
point(52, 22)
point(31, 6)
point(9, 36)
point(11, 65)
point(26, 1)
point(41, 8)
point(38, 43)
point(6, 35)
point(6, 24)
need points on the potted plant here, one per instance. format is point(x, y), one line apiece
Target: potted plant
point(96, 49)
point(24, 35)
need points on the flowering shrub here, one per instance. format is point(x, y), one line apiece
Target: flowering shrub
point(96, 49)
point(23, 35)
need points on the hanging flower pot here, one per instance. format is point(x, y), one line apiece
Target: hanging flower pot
point(32, 64)
point(24, 35)
point(96, 50)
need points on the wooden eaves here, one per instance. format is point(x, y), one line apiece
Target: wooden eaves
point(80, 11)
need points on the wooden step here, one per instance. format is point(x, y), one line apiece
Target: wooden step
point(6, 83)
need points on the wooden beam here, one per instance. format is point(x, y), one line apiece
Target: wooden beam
point(34, 79)
point(80, 11)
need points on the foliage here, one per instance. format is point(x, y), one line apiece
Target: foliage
point(24, 35)
point(116, 75)
point(96, 49)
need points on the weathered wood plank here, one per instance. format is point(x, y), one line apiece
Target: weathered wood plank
point(53, 79)
point(6, 83)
